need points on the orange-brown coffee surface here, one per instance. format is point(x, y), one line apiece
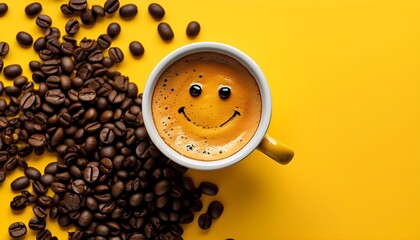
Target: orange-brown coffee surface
point(206, 106)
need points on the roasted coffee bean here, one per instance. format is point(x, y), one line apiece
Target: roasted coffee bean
point(95, 56)
point(111, 6)
point(128, 11)
point(18, 203)
point(50, 66)
point(36, 223)
point(32, 173)
point(98, 11)
point(208, 188)
point(78, 5)
point(162, 187)
point(204, 221)
point(87, 94)
point(165, 31)
point(66, 9)
point(39, 44)
point(156, 11)
point(12, 91)
point(136, 49)
point(72, 26)
point(47, 179)
point(2, 175)
point(17, 229)
point(79, 186)
point(35, 65)
point(3, 9)
point(39, 212)
point(85, 218)
point(64, 220)
point(39, 188)
point(1, 67)
point(54, 45)
point(44, 234)
point(113, 29)
point(51, 168)
point(43, 21)
point(193, 28)
point(12, 71)
point(116, 54)
point(33, 9)
point(4, 49)
point(20, 81)
point(87, 17)
point(20, 183)
point(215, 209)
point(11, 164)
point(104, 41)
point(37, 140)
point(91, 174)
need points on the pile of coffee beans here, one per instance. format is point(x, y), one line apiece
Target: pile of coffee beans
point(109, 180)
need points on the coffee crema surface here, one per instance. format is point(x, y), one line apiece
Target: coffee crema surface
point(206, 106)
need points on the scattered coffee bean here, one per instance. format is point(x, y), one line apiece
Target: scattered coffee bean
point(77, 5)
point(33, 9)
point(111, 6)
point(32, 173)
point(24, 39)
point(17, 229)
point(128, 11)
point(113, 29)
point(3, 9)
point(136, 49)
point(20, 183)
point(116, 54)
point(156, 11)
point(204, 221)
point(2, 175)
point(104, 41)
point(98, 11)
point(66, 9)
point(209, 188)
point(87, 17)
point(4, 49)
point(40, 44)
point(215, 209)
point(37, 224)
point(72, 26)
point(43, 21)
point(193, 28)
point(165, 31)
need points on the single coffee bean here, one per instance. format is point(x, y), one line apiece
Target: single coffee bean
point(165, 31)
point(3, 9)
point(85, 218)
point(37, 140)
point(39, 212)
point(209, 188)
point(78, 5)
point(36, 223)
point(44, 235)
point(91, 174)
point(17, 229)
point(39, 188)
point(104, 41)
point(113, 29)
point(43, 21)
point(72, 26)
point(66, 9)
point(47, 179)
point(116, 54)
point(1, 67)
point(111, 6)
point(54, 45)
point(204, 221)
point(20, 81)
point(193, 28)
point(136, 49)
point(87, 94)
point(20, 183)
point(98, 11)
point(33, 9)
point(215, 209)
point(19, 203)
point(128, 11)
point(156, 11)
point(2, 175)
point(32, 173)
point(40, 44)
point(4, 49)
point(45, 201)
point(12, 71)
point(87, 17)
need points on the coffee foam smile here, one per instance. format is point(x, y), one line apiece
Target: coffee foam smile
point(182, 110)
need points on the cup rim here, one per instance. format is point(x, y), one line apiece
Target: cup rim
point(216, 47)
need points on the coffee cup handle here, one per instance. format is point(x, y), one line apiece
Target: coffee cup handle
point(276, 150)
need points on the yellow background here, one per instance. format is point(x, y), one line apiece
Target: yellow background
point(345, 80)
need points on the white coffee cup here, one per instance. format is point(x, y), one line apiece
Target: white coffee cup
point(260, 140)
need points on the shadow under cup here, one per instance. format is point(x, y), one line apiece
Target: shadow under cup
point(219, 49)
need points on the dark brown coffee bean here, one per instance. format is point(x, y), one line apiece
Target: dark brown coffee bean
point(128, 11)
point(91, 174)
point(85, 218)
point(165, 31)
point(50, 66)
point(72, 26)
point(39, 188)
point(17, 229)
point(95, 56)
point(111, 6)
point(44, 235)
point(66, 9)
point(55, 97)
point(39, 212)
point(20, 81)
point(37, 224)
point(98, 11)
point(54, 45)
point(32, 173)
point(77, 5)
point(43, 21)
point(116, 54)
point(47, 179)
point(162, 187)
point(156, 11)
point(3, 9)
point(51, 168)
point(39, 44)
point(204, 221)
point(215, 209)
point(20, 183)
point(19, 203)
point(87, 17)
point(12, 71)
point(87, 94)
point(4, 49)
point(37, 140)
point(64, 220)
point(193, 28)
point(208, 188)
point(12, 91)
point(113, 29)
point(33, 9)
point(104, 41)
point(1, 67)
point(2, 175)
point(136, 49)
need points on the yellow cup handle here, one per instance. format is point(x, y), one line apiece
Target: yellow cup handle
point(276, 150)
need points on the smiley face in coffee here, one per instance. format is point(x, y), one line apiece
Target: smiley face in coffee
point(206, 106)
